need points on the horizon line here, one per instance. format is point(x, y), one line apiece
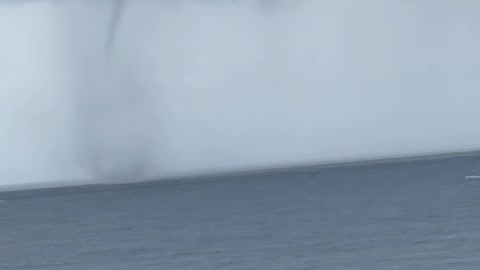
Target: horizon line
point(252, 171)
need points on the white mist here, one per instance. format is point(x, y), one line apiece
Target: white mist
point(226, 85)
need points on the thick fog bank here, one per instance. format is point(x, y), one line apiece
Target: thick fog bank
point(197, 86)
point(36, 141)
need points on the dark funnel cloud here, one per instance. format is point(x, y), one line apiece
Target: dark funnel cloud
point(111, 102)
point(118, 8)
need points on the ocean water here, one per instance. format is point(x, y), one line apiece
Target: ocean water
point(405, 215)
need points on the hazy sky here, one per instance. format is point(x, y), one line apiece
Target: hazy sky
point(208, 85)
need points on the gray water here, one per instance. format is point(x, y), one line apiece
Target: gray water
point(406, 215)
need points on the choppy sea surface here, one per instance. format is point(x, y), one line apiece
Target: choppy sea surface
point(405, 215)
